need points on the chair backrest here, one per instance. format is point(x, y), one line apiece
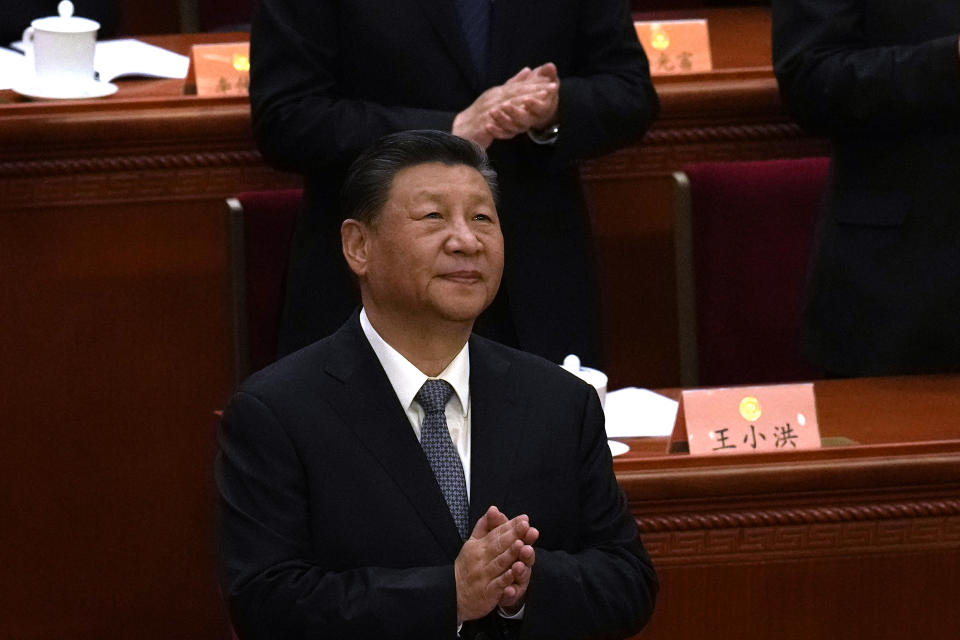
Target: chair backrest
point(261, 228)
point(744, 231)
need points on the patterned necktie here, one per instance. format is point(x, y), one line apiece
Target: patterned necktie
point(475, 20)
point(442, 455)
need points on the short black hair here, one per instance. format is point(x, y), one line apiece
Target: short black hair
point(367, 185)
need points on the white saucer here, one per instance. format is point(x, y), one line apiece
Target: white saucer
point(617, 448)
point(31, 88)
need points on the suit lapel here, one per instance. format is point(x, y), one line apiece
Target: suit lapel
point(497, 417)
point(369, 405)
point(443, 16)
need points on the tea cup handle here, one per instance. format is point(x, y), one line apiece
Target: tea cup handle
point(27, 40)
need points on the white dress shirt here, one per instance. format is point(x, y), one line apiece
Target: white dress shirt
point(406, 380)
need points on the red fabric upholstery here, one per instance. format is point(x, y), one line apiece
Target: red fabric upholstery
point(269, 218)
point(752, 230)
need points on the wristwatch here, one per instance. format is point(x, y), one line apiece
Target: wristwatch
point(546, 136)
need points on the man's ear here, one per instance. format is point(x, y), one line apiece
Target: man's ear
point(354, 237)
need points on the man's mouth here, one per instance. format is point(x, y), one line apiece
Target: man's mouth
point(464, 276)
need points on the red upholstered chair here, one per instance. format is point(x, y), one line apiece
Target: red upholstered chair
point(743, 237)
point(261, 227)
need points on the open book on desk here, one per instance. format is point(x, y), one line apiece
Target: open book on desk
point(112, 59)
point(128, 57)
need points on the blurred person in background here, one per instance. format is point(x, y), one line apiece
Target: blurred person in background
point(882, 80)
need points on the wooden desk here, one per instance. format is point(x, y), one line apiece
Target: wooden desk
point(845, 542)
point(114, 343)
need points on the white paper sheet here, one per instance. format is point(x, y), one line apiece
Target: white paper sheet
point(130, 57)
point(632, 412)
point(13, 68)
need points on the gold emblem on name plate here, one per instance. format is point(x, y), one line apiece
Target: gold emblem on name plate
point(750, 408)
point(659, 39)
point(241, 62)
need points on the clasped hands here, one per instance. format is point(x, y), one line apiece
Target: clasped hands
point(494, 565)
point(527, 101)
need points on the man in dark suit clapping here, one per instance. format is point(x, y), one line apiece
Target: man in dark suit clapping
point(404, 478)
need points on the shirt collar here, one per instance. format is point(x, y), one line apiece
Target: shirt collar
point(406, 379)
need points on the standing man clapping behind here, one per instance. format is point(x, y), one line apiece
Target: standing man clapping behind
point(540, 85)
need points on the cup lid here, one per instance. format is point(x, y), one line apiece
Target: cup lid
point(593, 376)
point(66, 22)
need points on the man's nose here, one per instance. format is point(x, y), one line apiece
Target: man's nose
point(463, 238)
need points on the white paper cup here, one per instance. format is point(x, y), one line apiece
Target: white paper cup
point(594, 377)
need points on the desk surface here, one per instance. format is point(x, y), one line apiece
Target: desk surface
point(906, 430)
point(740, 48)
point(874, 412)
point(133, 89)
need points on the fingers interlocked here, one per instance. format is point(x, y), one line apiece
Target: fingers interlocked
point(494, 565)
point(527, 101)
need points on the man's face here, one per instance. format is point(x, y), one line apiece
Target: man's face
point(435, 253)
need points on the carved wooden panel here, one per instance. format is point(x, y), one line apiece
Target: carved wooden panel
point(850, 537)
point(168, 177)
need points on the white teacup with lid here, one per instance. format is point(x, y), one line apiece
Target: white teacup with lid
point(62, 48)
point(594, 377)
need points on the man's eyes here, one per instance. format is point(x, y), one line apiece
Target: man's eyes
point(479, 217)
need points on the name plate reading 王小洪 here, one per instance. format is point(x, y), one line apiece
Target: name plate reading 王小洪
point(675, 46)
point(221, 69)
point(779, 417)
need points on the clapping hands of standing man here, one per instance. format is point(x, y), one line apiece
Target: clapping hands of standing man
point(527, 101)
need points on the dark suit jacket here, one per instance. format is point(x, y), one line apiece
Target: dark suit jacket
point(329, 77)
point(882, 79)
point(333, 525)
